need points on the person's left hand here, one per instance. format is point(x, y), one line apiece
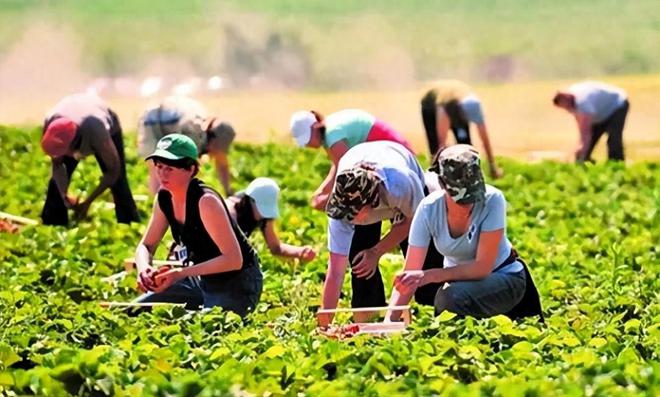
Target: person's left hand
point(365, 263)
point(80, 210)
point(409, 280)
point(495, 172)
point(164, 280)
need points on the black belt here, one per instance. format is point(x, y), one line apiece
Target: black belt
point(513, 256)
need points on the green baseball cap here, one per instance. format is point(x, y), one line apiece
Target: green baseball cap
point(175, 147)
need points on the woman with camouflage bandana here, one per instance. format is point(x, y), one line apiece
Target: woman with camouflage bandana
point(482, 274)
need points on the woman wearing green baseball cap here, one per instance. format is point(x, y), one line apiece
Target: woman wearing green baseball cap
point(222, 269)
point(257, 207)
point(466, 221)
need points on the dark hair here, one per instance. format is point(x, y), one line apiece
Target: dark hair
point(185, 163)
point(559, 96)
point(245, 216)
point(320, 119)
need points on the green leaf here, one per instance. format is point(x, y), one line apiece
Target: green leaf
point(8, 356)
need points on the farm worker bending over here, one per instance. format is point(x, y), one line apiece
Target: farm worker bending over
point(375, 181)
point(257, 206)
point(78, 126)
point(223, 269)
point(337, 133)
point(452, 105)
point(176, 114)
point(598, 108)
point(466, 222)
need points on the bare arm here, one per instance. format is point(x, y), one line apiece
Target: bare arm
point(334, 279)
point(441, 126)
point(477, 270)
point(394, 237)
point(401, 295)
point(108, 154)
point(222, 169)
point(485, 139)
point(147, 247)
point(61, 178)
point(217, 224)
point(279, 248)
point(320, 196)
point(584, 122)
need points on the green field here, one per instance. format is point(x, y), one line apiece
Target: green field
point(589, 233)
point(348, 44)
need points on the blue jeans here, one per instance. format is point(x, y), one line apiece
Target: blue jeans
point(239, 294)
point(496, 294)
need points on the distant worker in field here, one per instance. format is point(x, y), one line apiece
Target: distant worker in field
point(337, 133)
point(257, 207)
point(482, 274)
point(178, 114)
point(375, 181)
point(451, 104)
point(222, 269)
point(78, 126)
point(598, 108)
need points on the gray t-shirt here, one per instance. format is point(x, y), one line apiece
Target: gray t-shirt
point(471, 105)
point(401, 190)
point(597, 99)
point(430, 223)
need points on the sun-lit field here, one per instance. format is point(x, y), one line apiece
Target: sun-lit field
point(589, 234)
point(520, 116)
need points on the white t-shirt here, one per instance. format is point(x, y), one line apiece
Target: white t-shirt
point(401, 190)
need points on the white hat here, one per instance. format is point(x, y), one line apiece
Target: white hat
point(301, 126)
point(265, 193)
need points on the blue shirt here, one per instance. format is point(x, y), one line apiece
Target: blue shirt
point(430, 223)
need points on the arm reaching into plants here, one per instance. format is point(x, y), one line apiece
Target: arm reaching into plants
point(279, 248)
point(147, 247)
point(321, 195)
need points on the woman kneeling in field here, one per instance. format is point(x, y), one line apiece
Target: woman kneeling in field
point(257, 207)
point(223, 269)
point(466, 219)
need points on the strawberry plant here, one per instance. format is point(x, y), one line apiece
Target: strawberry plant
point(590, 234)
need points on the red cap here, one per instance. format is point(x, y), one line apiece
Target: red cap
point(58, 137)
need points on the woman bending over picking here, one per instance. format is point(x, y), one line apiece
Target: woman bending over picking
point(337, 133)
point(222, 268)
point(257, 206)
point(466, 220)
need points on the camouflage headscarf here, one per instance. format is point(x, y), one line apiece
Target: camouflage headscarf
point(354, 189)
point(460, 174)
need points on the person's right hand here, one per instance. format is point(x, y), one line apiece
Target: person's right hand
point(145, 279)
point(319, 201)
point(71, 201)
point(307, 253)
point(409, 280)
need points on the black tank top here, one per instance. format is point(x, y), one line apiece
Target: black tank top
point(193, 234)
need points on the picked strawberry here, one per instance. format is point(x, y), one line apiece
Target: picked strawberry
point(159, 271)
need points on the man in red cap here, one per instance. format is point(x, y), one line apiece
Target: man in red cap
point(80, 125)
